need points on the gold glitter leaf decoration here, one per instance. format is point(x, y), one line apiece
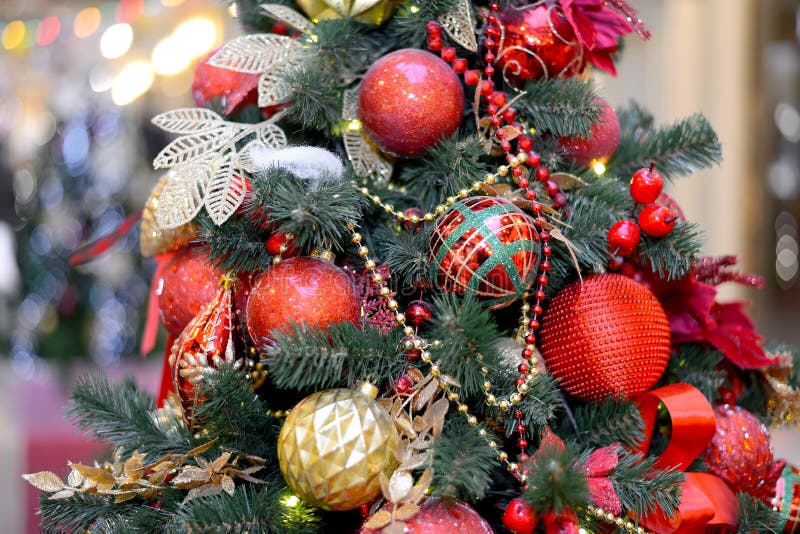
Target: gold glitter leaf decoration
point(244, 158)
point(366, 159)
point(378, 520)
point(188, 148)
point(288, 16)
point(272, 90)
point(256, 53)
point(188, 120)
point(225, 191)
point(155, 240)
point(459, 25)
point(45, 481)
point(183, 194)
point(272, 136)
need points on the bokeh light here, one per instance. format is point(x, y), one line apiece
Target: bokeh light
point(48, 31)
point(132, 82)
point(86, 22)
point(116, 40)
point(13, 34)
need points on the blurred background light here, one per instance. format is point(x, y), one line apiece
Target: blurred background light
point(86, 22)
point(13, 35)
point(48, 31)
point(132, 82)
point(116, 40)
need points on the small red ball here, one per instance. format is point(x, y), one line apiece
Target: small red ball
point(657, 221)
point(408, 101)
point(188, 283)
point(274, 242)
point(419, 312)
point(404, 384)
point(442, 516)
point(646, 185)
point(520, 517)
point(623, 238)
point(602, 142)
point(300, 290)
point(564, 523)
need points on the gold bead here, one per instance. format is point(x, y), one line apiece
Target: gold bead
point(363, 252)
point(452, 200)
point(619, 521)
point(440, 209)
point(276, 259)
point(522, 477)
point(487, 386)
point(484, 371)
point(437, 343)
point(589, 508)
point(490, 179)
point(452, 396)
point(502, 170)
point(428, 217)
point(629, 526)
point(425, 356)
point(463, 408)
point(514, 162)
point(435, 370)
point(513, 466)
point(388, 208)
point(639, 530)
point(443, 385)
point(476, 186)
point(400, 318)
point(526, 308)
point(365, 191)
point(392, 304)
point(463, 193)
point(385, 291)
point(490, 399)
point(599, 512)
point(610, 517)
point(523, 388)
point(522, 156)
point(376, 199)
point(414, 218)
point(377, 278)
point(502, 456)
point(408, 331)
point(282, 248)
point(369, 264)
point(482, 432)
point(515, 398)
point(472, 420)
point(493, 444)
point(356, 238)
point(503, 405)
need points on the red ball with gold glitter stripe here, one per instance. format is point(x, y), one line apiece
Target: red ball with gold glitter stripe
point(605, 337)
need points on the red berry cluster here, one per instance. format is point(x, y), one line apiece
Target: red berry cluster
point(654, 220)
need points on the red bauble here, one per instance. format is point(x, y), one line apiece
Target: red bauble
point(623, 238)
point(646, 185)
point(443, 516)
point(602, 142)
point(408, 101)
point(740, 453)
point(537, 42)
point(487, 235)
point(418, 312)
point(189, 282)
point(607, 336)
point(520, 517)
point(657, 221)
point(301, 290)
point(274, 242)
point(233, 90)
point(564, 523)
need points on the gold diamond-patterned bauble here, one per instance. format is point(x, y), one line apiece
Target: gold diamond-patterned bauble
point(370, 11)
point(154, 240)
point(333, 447)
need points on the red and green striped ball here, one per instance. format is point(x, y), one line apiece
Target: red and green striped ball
point(488, 246)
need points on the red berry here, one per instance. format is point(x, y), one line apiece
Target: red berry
point(519, 517)
point(472, 77)
point(657, 221)
point(460, 65)
point(646, 185)
point(623, 238)
point(564, 523)
point(404, 384)
point(419, 312)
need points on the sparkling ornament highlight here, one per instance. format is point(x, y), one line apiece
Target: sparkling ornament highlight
point(154, 240)
point(408, 101)
point(488, 246)
point(371, 11)
point(188, 283)
point(333, 447)
point(602, 142)
point(740, 453)
point(302, 290)
point(442, 516)
point(607, 336)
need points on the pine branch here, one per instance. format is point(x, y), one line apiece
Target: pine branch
point(121, 415)
point(315, 99)
point(562, 107)
point(642, 489)
point(237, 245)
point(343, 46)
point(466, 329)
point(92, 513)
point(408, 253)
point(634, 120)
point(696, 364)
point(608, 422)
point(252, 17)
point(755, 517)
point(539, 406)
point(408, 24)
point(263, 510)
point(462, 463)
point(313, 359)
point(556, 480)
point(677, 149)
point(673, 255)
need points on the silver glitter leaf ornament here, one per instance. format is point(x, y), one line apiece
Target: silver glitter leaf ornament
point(183, 194)
point(459, 24)
point(188, 120)
point(255, 54)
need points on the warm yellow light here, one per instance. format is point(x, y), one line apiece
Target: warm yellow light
point(13, 35)
point(171, 3)
point(599, 168)
point(116, 40)
point(86, 22)
point(291, 501)
point(413, 9)
point(197, 35)
point(354, 125)
point(169, 57)
point(132, 82)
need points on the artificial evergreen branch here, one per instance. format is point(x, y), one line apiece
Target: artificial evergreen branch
point(315, 99)
point(462, 463)
point(408, 252)
point(696, 364)
point(562, 107)
point(681, 148)
point(94, 513)
point(237, 245)
point(642, 489)
point(755, 517)
point(556, 481)
point(607, 422)
point(408, 24)
point(252, 17)
point(343, 46)
point(539, 406)
point(313, 359)
point(673, 255)
point(466, 329)
point(122, 415)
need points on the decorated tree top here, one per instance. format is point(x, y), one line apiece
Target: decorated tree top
point(419, 277)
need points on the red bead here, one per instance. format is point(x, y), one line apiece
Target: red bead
point(536, 208)
point(523, 368)
point(526, 353)
point(448, 53)
point(616, 263)
point(551, 187)
point(488, 57)
point(544, 235)
point(537, 310)
point(487, 86)
point(522, 443)
point(498, 98)
point(533, 325)
point(460, 65)
point(559, 200)
point(519, 517)
point(657, 221)
point(518, 414)
point(419, 312)
point(546, 251)
point(491, 109)
point(495, 121)
point(500, 133)
point(488, 70)
point(523, 182)
point(494, 6)
point(530, 194)
point(521, 428)
point(526, 143)
point(493, 31)
point(433, 27)
point(646, 185)
point(530, 339)
point(539, 294)
point(623, 238)
point(472, 77)
point(517, 172)
point(404, 384)
point(545, 265)
point(542, 174)
point(435, 44)
point(534, 159)
point(490, 43)
point(519, 381)
point(505, 146)
point(510, 115)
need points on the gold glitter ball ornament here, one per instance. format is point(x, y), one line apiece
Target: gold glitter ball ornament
point(154, 240)
point(371, 11)
point(333, 447)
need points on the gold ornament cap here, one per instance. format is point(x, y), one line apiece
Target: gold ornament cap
point(370, 11)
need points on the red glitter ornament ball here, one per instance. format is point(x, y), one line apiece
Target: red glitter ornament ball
point(442, 516)
point(418, 312)
point(606, 337)
point(409, 100)
point(300, 290)
point(213, 86)
point(537, 42)
point(488, 246)
point(740, 453)
point(188, 283)
point(602, 142)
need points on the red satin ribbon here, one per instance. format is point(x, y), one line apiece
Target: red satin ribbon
point(167, 385)
point(151, 322)
point(88, 252)
point(706, 500)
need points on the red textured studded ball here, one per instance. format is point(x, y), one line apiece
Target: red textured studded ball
point(607, 337)
point(602, 142)
point(299, 291)
point(441, 516)
point(408, 101)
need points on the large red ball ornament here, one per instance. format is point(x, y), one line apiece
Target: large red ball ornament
point(605, 337)
point(602, 142)
point(537, 42)
point(300, 291)
point(442, 516)
point(740, 453)
point(408, 101)
point(488, 246)
point(188, 283)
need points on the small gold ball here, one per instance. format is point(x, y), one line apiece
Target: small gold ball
point(609, 517)
point(363, 252)
point(502, 170)
point(523, 388)
point(493, 444)
point(408, 331)
point(385, 291)
point(490, 399)
point(276, 259)
point(502, 456)
point(472, 420)
point(388, 208)
point(639, 530)
point(515, 398)
point(414, 219)
point(490, 179)
point(356, 238)
point(463, 408)
point(522, 477)
point(425, 356)
point(452, 396)
point(514, 162)
point(392, 304)
point(629, 526)
point(487, 386)
point(482, 432)
point(376, 199)
point(513, 466)
point(619, 521)
point(526, 308)
point(439, 209)
point(364, 191)
point(369, 264)
point(400, 318)
point(377, 278)
point(437, 343)
point(463, 193)
point(428, 217)
point(476, 186)
point(484, 371)
point(503, 405)
point(435, 370)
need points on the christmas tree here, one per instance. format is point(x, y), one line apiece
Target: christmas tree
point(419, 277)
